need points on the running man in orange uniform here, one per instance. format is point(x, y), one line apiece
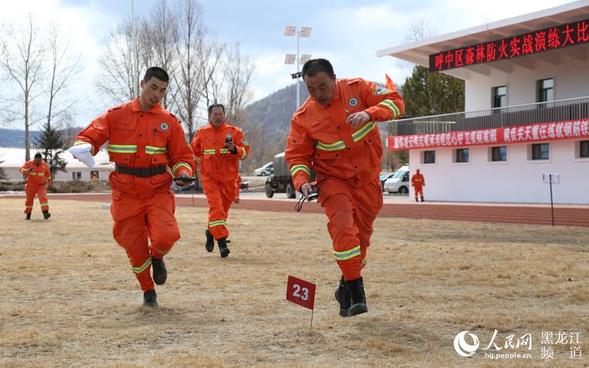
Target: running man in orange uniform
point(146, 143)
point(418, 182)
point(38, 178)
point(219, 147)
point(334, 133)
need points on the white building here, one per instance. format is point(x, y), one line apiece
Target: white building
point(14, 158)
point(526, 110)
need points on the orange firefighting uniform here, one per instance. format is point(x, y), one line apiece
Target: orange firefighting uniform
point(237, 189)
point(37, 179)
point(219, 171)
point(418, 181)
point(142, 207)
point(347, 163)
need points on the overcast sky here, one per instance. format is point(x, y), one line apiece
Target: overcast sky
point(348, 32)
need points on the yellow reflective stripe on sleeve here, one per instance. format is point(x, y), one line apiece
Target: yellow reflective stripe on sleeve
point(243, 153)
point(391, 105)
point(152, 150)
point(224, 151)
point(361, 133)
point(77, 143)
point(297, 168)
point(345, 255)
point(122, 148)
point(336, 146)
point(209, 151)
point(217, 223)
point(179, 165)
point(142, 267)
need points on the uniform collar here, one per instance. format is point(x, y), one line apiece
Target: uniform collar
point(136, 107)
point(220, 126)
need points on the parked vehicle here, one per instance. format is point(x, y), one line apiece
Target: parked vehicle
point(281, 180)
point(399, 182)
point(265, 170)
point(383, 177)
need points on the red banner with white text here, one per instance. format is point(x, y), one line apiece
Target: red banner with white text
point(570, 129)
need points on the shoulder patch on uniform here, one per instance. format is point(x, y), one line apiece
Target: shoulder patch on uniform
point(379, 91)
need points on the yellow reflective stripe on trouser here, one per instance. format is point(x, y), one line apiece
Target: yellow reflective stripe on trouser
point(180, 164)
point(44, 204)
point(28, 206)
point(217, 223)
point(142, 267)
point(361, 133)
point(347, 254)
point(297, 168)
point(122, 148)
point(152, 150)
point(391, 105)
point(335, 146)
point(224, 151)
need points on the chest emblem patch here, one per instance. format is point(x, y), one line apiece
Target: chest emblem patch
point(164, 126)
point(353, 101)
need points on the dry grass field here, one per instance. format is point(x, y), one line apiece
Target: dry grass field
point(68, 298)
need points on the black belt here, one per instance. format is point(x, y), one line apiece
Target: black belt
point(143, 172)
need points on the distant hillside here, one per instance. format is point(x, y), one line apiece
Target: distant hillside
point(15, 138)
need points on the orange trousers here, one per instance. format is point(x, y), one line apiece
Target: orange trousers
point(39, 190)
point(220, 195)
point(144, 228)
point(418, 189)
point(351, 211)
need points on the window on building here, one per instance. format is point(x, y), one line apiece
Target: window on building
point(545, 90)
point(462, 155)
point(429, 157)
point(76, 175)
point(584, 149)
point(499, 96)
point(499, 153)
point(540, 151)
point(94, 175)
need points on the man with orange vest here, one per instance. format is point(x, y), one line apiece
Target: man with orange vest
point(148, 146)
point(38, 178)
point(335, 134)
point(418, 182)
point(218, 147)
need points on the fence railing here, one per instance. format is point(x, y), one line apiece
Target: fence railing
point(544, 112)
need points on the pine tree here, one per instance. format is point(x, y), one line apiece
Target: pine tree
point(52, 143)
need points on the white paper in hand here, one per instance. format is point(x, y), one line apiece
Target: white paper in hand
point(82, 153)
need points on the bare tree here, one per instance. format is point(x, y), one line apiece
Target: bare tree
point(158, 37)
point(121, 66)
point(237, 75)
point(22, 59)
point(62, 68)
point(190, 45)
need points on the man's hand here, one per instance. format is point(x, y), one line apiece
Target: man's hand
point(182, 183)
point(358, 119)
point(83, 153)
point(306, 189)
point(231, 146)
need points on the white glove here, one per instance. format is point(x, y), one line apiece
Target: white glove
point(83, 153)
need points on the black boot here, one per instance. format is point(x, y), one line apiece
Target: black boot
point(422, 199)
point(223, 247)
point(416, 200)
point(158, 268)
point(28, 216)
point(150, 298)
point(343, 298)
point(356, 290)
point(210, 244)
point(46, 215)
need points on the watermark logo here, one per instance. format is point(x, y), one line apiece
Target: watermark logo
point(463, 347)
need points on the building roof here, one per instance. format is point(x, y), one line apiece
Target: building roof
point(15, 157)
point(419, 52)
